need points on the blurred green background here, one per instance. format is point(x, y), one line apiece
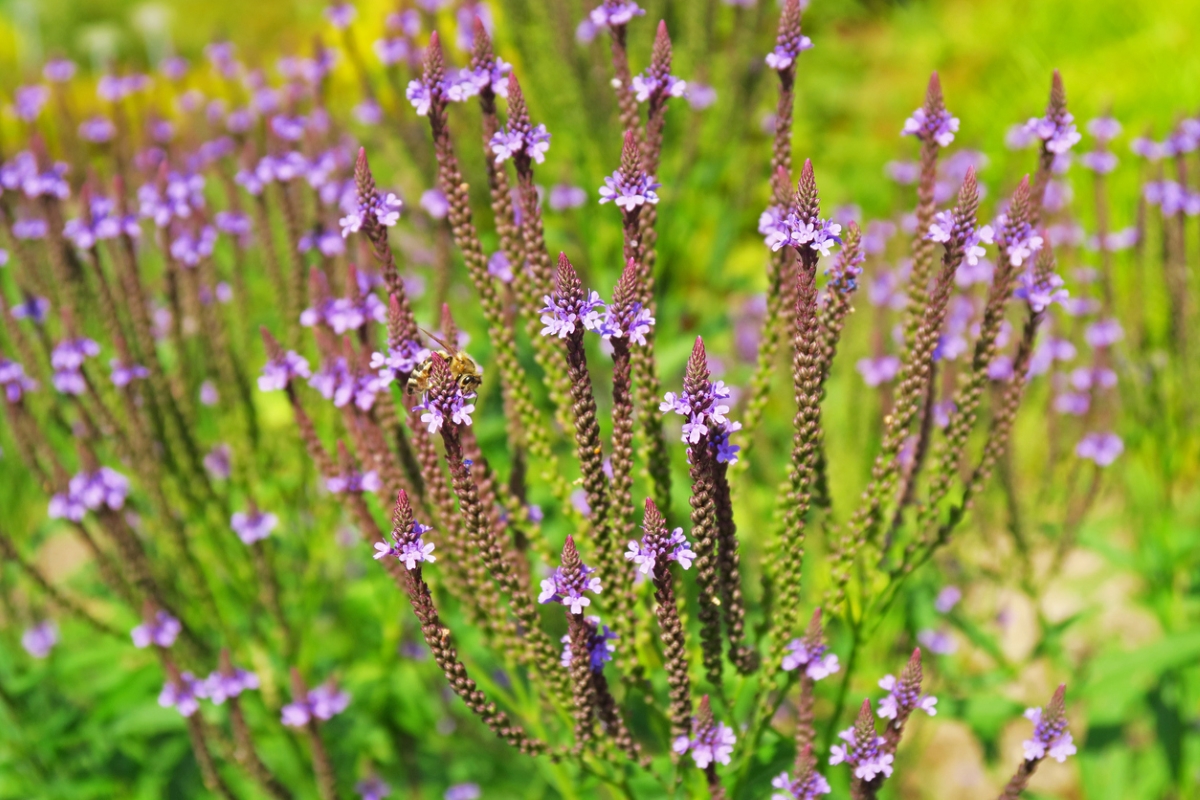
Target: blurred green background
point(1123, 615)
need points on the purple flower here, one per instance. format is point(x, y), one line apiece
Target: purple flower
point(629, 195)
point(938, 642)
point(97, 129)
point(1057, 135)
point(323, 702)
point(395, 50)
point(39, 640)
point(161, 631)
point(400, 360)
point(219, 686)
point(946, 600)
point(560, 316)
point(409, 547)
point(372, 788)
point(904, 173)
point(712, 743)
point(613, 13)
point(645, 554)
point(600, 647)
point(29, 228)
point(434, 202)
point(384, 208)
point(217, 462)
point(700, 95)
point(342, 314)
point(879, 370)
point(354, 482)
point(1050, 736)
point(1104, 129)
point(706, 415)
point(463, 791)
point(1103, 333)
point(182, 694)
point(1040, 293)
point(785, 53)
point(29, 100)
point(58, 70)
point(635, 324)
point(1017, 242)
point(1101, 162)
point(564, 196)
point(811, 654)
point(792, 230)
point(534, 143)
point(903, 698)
point(568, 589)
point(278, 373)
point(1101, 448)
point(253, 526)
point(1075, 404)
point(340, 15)
point(939, 128)
point(125, 374)
point(289, 129)
point(646, 84)
point(807, 788)
point(866, 757)
point(14, 380)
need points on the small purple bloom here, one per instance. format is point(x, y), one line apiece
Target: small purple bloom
point(39, 640)
point(434, 202)
point(812, 656)
point(340, 15)
point(811, 788)
point(125, 374)
point(59, 70)
point(712, 744)
point(400, 360)
point(218, 463)
point(1039, 293)
point(182, 694)
point(646, 553)
point(278, 373)
point(1103, 333)
point(1050, 737)
point(569, 589)
point(160, 631)
point(939, 128)
point(1101, 448)
point(354, 482)
point(646, 85)
point(219, 687)
point(373, 788)
point(564, 196)
point(614, 13)
point(1057, 135)
point(700, 95)
point(533, 143)
point(628, 195)
point(867, 759)
point(463, 791)
point(1104, 129)
point(879, 370)
point(947, 599)
point(409, 547)
point(14, 380)
point(323, 703)
point(939, 642)
point(901, 698)
point(560, 319)
point(600, 645)
point(253, 526)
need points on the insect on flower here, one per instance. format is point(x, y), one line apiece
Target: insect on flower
point(465, 369)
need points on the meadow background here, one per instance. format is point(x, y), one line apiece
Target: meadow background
point(1119, 621)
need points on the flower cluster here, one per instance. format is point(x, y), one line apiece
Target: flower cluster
point(629, 194)
point(39, 640)
point(903, 697)
point(806, 787)
point(600, 645)
point(400, 360)
point(612, 13)
point(180, 196)
point(253, 526)
point(1101, 448)
point(337, 382)
point(382, 209)
point(182, 694)
point(14, 381)
point(1051, 739)
point(1057, 132)
point(810, 653)
point(124, 374)
point(323, 702)
point(220, 686)
point(820, 235)
point(160, 631)
point(343, 314)
point(1017, 240)
point(190, 248)
point(354, 482)
point(457, 86)
point(646, 85)
point(409, 547)
point(100, 224)
point(567, 589)
point(866, 757)
point(711, 742)
point(457, 406)
point(705, 415)
point(645, 554)
point(89, 491)
point(939, 127)
point(534, 143)
point(561, 315)
point(67, 361)
point(1040, 290)
point(634, 324)
point(279, 372)
point(943, 230)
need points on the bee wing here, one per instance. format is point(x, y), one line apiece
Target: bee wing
point(449, 348)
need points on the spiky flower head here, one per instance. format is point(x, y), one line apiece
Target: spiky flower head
point(705, 404)
point(957, 229)
point(569, 311)
point(863, 748)
point(625, 317)
point(629, 187)
point(567, 583)
point(657, 83)
point(811, 652)
point(711, 741)
point(808, 783)
point(657, 547)
point(904, 695)
point(407, 544)
point(1039, 285)
point(790, 41)
point(932, 122)
point(803, 227)
point(1014, 234)
point(445, 399)
point(519, 140)
point(843, 274)
point(1057, 128)
point(1051, 739)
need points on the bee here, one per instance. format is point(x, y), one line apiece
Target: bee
point(466, 371)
